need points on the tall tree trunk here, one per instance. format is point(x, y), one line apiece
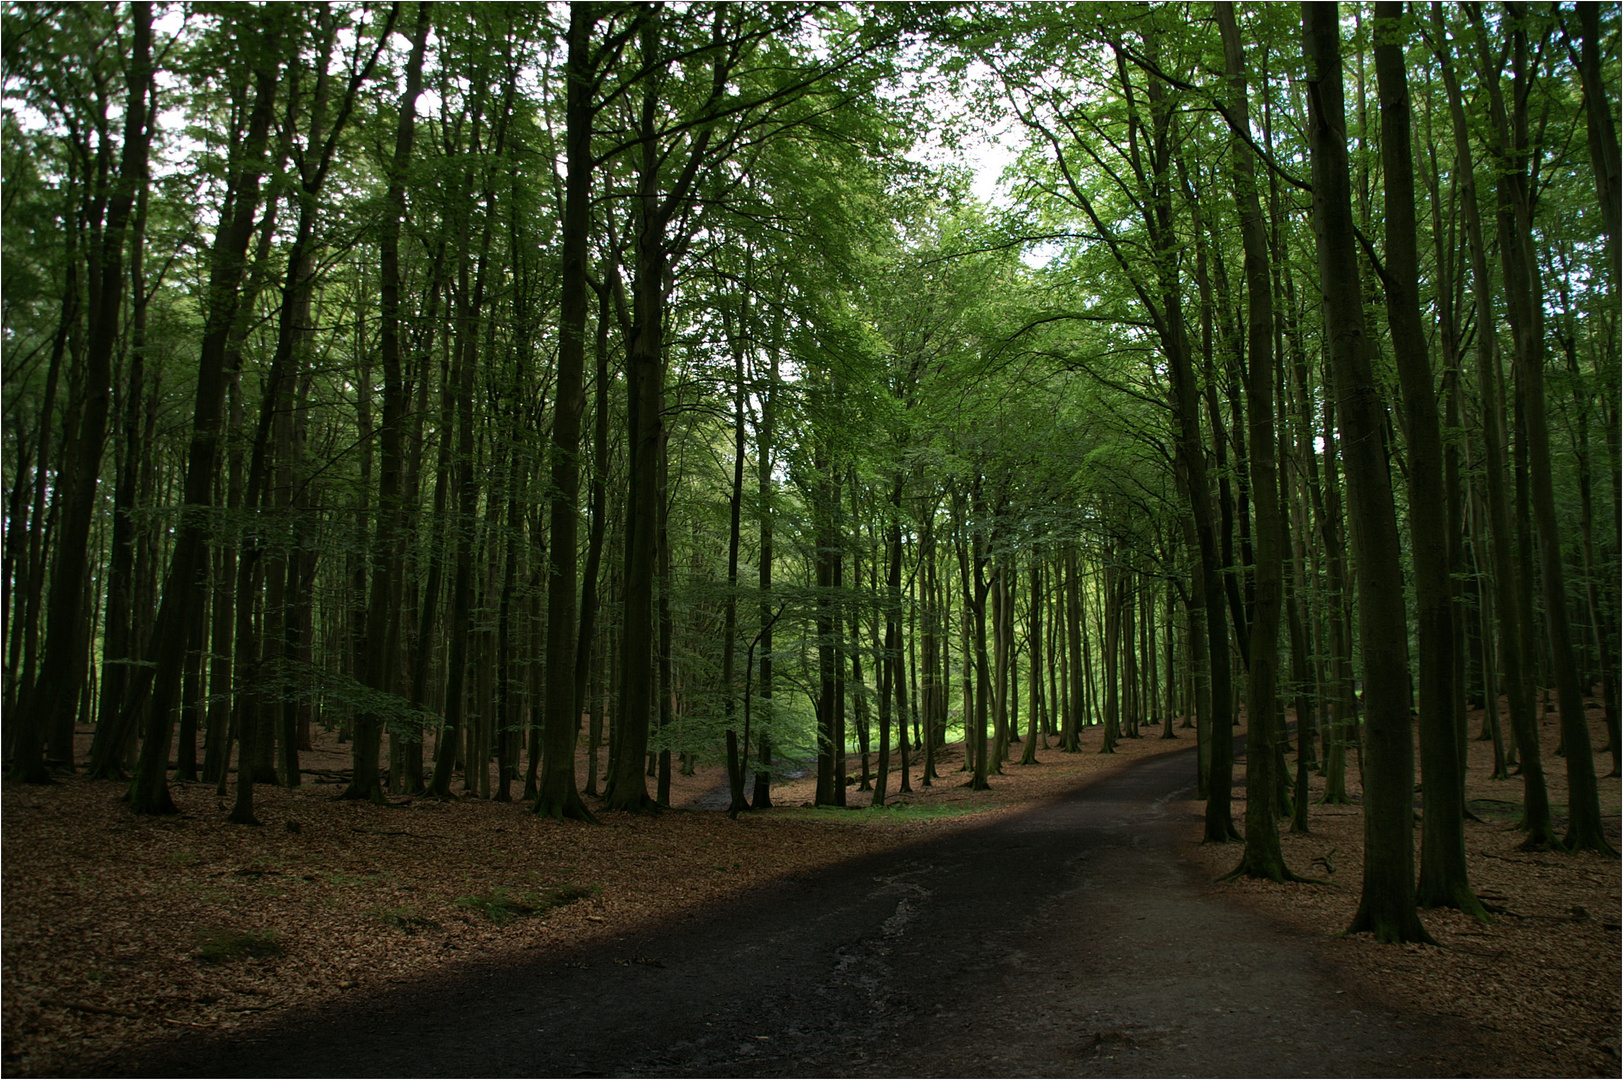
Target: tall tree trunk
point(645, 374)
point(665, 669)
point(187, 576)
point(1444, 880)
point(1525, 311)
point(1510, 597)
point(588, 643)
point(899, 657)
point(1387, 904)
point(1601, 128)
point(117, 638)
point(981, 547)
point(1263, 856)
point(559, 793)
point(461, 720)
point(464, 524)
point(893, 678)
point(735, 511)
point(1000, 671)
point(1111, 595)
point(1028, 753)
point(54, 700)
point(383, 613)
point(27, 524)
point(763, 477)
point(1071, 725)
point(1601, 620)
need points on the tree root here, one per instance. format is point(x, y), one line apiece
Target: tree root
point(1281, 873)
point(1587, 839)
point(642, 803)
point(570, 808)
point(1408, 929)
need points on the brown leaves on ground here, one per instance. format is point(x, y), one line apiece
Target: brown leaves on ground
point(1540, 983)
point(121, 929)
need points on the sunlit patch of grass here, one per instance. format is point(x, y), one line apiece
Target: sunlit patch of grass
point(890, 812)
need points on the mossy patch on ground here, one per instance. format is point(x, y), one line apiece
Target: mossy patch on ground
point(500, 904)
point(223, 946)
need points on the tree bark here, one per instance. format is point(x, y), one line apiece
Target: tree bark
point(187, 577)
point(559, 794)
point(1511, 599)
point(1444, 879)
point(1525, 312)
point(1387, 904)
point(54, 700)
point(1263, 856)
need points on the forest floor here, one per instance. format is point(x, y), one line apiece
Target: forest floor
point(122, 935)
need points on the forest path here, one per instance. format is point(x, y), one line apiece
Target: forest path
point(1068, 940)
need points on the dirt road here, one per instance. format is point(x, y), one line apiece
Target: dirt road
point(1069, 940)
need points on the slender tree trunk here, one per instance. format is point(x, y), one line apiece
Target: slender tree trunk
point(763, 477)
point(827, 619)
point(1028, 753)
point(1263, 856)
point(981, 545)
point(736, 765)
point(1601, 128)
point(464, 520)
point(117, 640)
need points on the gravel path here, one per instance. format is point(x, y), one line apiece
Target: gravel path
point(1069, 940)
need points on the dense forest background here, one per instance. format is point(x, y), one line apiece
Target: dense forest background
point(480, 380)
